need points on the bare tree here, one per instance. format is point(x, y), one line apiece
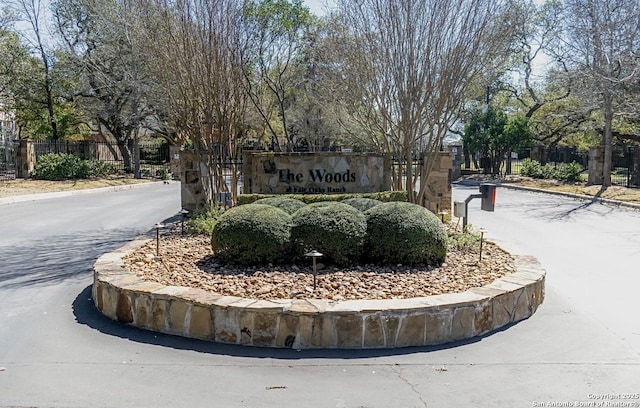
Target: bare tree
point(275, 33)
point(601, 44)
point(195, 47)
point(340, 70)
point(408, 65)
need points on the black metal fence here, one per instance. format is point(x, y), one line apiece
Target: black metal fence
point(154, 157)
point(552, 156)
point(625, 166)
point(625, 162)
point(555, 154)
point(7, 161)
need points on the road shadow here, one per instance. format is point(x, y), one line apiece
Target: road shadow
point(585, 205)
point(52, 260)
point(548, 207)
point(86, 313)
point(562, 213)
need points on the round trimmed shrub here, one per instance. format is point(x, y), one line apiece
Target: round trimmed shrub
point(288, 205)
point(400, 232)
point(335, 229)
point(252, 234)
point(362, 204)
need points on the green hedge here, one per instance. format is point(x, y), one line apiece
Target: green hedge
point(203, 221)
point(384, 196)
point(560, 171)
point(337, 230)
point(288, 205)
point(404, 233)
point(387, 233)
point(61, 166)
point(362, 204)
point(252, 234)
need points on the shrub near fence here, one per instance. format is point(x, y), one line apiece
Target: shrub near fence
point(60, 166)
point(154, 157)
point(562, 171)
point(552, 156)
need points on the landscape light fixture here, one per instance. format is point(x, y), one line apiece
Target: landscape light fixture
point(314, 254)
point(158, 226)
point(183, 214)
point(481, 240)
point(442, 215)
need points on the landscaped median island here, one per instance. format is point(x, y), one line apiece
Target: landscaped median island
point(178, 285)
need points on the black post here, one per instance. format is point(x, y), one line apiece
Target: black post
point(629, 165)
point(158, 226)
point(314, 273)
point(157, 241)
point(183, 213)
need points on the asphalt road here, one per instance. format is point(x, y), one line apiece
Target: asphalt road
point(57, 351)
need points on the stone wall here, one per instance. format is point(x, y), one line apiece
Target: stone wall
point(324, 173)
point(315, 323)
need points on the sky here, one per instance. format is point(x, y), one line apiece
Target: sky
point(318, 7)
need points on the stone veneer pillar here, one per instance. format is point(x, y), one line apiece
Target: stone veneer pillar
point(538, 154)
point(192, 192)
point(438, 192)
point(635, 170)
point(458, 158)
point(596, 165)
point(25, 159)
point(174, 159)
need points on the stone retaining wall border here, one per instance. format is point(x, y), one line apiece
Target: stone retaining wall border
point(313, 324)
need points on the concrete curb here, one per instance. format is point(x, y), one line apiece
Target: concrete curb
point(58, 194)
point(573, 195)
point(583, 197)
point(315, 323)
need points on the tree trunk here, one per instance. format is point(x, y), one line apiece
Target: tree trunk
point(410, 172)
point(467, 157)
point(126, 152)
point(607, 138)
point(136, 155)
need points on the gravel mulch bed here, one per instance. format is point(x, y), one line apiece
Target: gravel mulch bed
point(188, 261)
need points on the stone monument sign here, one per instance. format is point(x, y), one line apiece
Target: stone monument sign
point(316, 173)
